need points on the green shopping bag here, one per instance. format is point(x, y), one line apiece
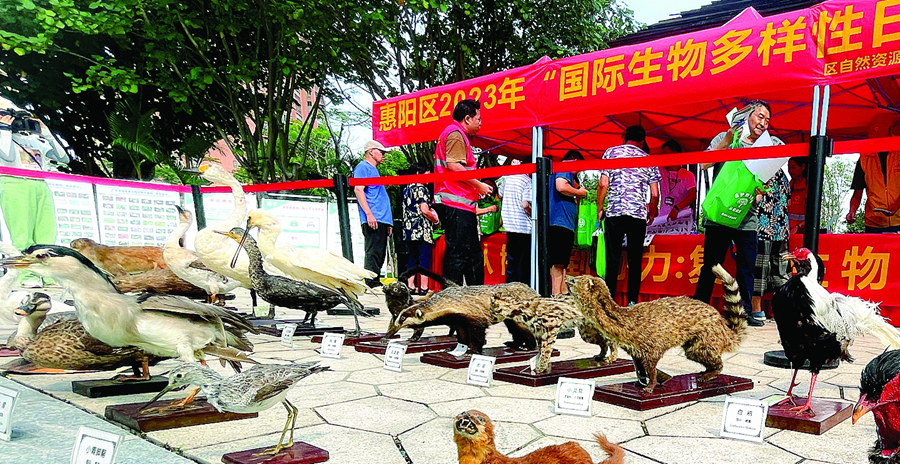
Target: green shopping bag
point(731, 195)
point(584, 230)
point(489, 222)
point(600, 253)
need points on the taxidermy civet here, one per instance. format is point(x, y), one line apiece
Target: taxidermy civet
point(473, 433)
point(466, 309)
point(398, 296)
point(544, 318)
point(647, 330)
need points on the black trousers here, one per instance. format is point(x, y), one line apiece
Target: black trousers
point(376, 246)
point(716, 242)
point(617, 228)
point(518, 257)
point(463, 257)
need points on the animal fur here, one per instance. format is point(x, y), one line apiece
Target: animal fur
point(647, 330)
point(544, 318)
point(120, 260)
point(398, 296)
point(473, 433)
point(466, 309)
point(162, 281)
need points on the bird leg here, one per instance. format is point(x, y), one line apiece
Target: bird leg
point(291, 420)
point(145, 372)
point(807, 407)
point(790, 395)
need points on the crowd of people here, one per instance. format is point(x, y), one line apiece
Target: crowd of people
point(630, 202)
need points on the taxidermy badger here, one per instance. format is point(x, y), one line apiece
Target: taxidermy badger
point(398, 296)
point(467, 310)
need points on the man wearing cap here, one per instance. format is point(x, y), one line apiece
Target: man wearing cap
point(463, 257)
point(374, 210)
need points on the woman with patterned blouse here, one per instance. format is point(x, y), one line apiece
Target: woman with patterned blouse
point(417, 230)
point(773, 231)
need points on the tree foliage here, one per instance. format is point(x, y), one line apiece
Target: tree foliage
point(836, 192)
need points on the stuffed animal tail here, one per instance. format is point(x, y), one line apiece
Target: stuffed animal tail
point(859, 317)
point(615, 452)
point(734, 314)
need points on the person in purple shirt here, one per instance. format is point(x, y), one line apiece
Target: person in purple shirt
point(627, 212)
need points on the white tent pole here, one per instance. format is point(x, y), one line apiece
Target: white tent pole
point(814, 129)
point(826, 98)
point(537, 149)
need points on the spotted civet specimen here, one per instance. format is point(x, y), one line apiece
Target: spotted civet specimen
point(647, 330)
point(544, 318)
point(466, 309)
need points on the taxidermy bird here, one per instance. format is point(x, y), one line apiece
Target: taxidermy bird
point(879, 392)
point(256, 389)
point(289, 293)
point(819, 326)
point(9, 299)
point(120, 260)
point(60, 341)
point(186, 265)
point(310, 264)
point(161, 325)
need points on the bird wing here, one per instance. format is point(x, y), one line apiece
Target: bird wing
point(183, 306)
point(197, 264)
point(272, 389)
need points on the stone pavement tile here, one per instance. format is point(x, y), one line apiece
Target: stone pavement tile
point(344, 446)
point(510, 390)
point(413, 370)
point(430, 391)
point(583, 428)
point(313, 395)
point(352, 361)
point(846, 443)
point(377, 414)
point(269, 421)
point(611, 411)
point(706, 419)
point(432, 442)
point(679, 450)
point(499, 409)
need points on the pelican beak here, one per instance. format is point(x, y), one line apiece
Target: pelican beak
point(18, 262)
point(169, 387)
point(860, 410)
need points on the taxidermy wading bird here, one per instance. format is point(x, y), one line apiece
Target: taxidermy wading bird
point(161, 325)
point(188, 266)
point(289, 293)
point(879, 392)
point(817, 325)
point(256, 389)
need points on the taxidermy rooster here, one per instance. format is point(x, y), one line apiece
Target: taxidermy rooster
point(879, 392)
point(819, 326)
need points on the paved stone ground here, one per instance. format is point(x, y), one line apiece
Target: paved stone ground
point(364, 414)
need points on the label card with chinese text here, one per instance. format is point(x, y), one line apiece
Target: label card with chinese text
point(393, 357)
point(95, 446)
point(744, 419)
point(481, 370)
point(7, 403)
point(573, 396)
point(287, 335)
point(532, 363)
point(459, 350)
point(331, 345)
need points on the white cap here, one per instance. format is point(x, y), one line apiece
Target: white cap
point(375, 144)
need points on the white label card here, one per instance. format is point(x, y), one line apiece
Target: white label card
point(744, 419)
point(532, 363)
point(481, 370)
point(7, 403)
point(459, 350)
point(574, 396)
point(287, 335)
point(95, 446)
point(393, 357)
point(331, 345)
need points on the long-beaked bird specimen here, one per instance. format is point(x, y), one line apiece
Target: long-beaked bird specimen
point(188, 266)
point(289, 293)
point(162, 325)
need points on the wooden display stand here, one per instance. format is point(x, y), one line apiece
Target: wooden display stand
point(586, 368)
point(676, 390)
point(9, 353)
point(828, 414)
point(353, 341)
point(502, 354)
point(196, 412)
point(113, 387)
point(270, 327)
point(421, 346)
point(300, 453)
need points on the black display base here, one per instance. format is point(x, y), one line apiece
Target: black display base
point(778, 359)
point(112, 387)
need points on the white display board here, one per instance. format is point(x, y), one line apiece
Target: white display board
point(136, 217)
point(356, 236)
point(76, 212)
point(303, 223)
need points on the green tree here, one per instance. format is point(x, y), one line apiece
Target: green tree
point(836, 192)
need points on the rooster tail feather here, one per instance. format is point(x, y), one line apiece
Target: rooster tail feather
point(734, 314)
point(861, 317)
point(615, 452)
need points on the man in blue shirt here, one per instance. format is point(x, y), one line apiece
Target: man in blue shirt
point(374, 210)
point(563, 211)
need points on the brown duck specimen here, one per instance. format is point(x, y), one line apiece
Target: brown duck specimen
point(647, 330)
point(473, 433)
point(160, 281)
point(120, 260)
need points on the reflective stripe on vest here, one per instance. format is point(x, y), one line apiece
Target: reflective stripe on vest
point(442, 197)
point(457, 194)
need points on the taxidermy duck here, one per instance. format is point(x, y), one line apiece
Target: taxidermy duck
point(186, 265)
point(60, 342)
point(161, 325)
point(289, 293)
point(309, 264)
